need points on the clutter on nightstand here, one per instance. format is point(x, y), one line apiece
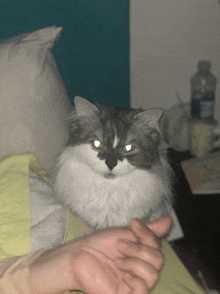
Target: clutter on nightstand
point(203, 174)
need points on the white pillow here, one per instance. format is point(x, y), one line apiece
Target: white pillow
point(34, 105)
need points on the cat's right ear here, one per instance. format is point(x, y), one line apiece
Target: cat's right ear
point(84, 107)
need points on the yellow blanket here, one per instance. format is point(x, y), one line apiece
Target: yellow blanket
point(15, 224)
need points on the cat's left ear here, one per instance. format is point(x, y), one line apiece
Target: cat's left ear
point(84, 107)
point(150, 117)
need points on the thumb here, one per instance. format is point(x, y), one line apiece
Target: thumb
point(161, 227)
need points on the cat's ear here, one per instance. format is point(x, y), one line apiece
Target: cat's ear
point(149, 117)
point(84, 107)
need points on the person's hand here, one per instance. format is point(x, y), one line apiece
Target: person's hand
point(144, 260)
point(101, 262)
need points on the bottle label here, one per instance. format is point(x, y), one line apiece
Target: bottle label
point(202, 105)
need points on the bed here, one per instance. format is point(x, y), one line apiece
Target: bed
point(33, 130)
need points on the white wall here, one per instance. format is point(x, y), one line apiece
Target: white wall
point(168, 38)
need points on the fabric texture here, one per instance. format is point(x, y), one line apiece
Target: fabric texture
point(14, 206)
point(34, 104)
point(14, 271)
point(48, 215)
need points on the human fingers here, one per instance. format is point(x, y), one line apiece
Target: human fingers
point(148, 233)
point(144, 234)
point(162, 226)
point(106, 240)
point(137, 285)
point(149, 254)
point(140, 269)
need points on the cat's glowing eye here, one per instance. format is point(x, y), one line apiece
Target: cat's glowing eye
point(96, 144)
point(129, 148)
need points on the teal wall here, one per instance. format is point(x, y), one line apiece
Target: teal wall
point(93, 51)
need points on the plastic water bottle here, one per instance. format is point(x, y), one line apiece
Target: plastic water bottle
point(203, 85)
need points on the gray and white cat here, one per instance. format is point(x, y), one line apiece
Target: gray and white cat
point(114, 167)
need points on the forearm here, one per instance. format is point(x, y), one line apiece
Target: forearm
point(46, 274)
point(14, 273)
point(53, 272)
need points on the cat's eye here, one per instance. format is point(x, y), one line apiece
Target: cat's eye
point(129, 148)
point(96, 144)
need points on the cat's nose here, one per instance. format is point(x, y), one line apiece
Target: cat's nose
point(111, 161)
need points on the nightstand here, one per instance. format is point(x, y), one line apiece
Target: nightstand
point(199, 216)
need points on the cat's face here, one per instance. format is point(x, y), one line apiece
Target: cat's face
point(113, 141)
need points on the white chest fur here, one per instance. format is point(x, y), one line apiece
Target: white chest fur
point(105, 199)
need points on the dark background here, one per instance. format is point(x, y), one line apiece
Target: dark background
point(93, 51)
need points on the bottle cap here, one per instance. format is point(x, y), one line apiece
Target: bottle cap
point(204, 65)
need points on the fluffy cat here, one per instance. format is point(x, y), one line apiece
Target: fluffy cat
point(114, 167)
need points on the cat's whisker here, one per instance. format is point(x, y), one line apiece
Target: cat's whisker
point(115, 143)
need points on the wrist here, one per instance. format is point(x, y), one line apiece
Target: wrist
point(52, 272)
